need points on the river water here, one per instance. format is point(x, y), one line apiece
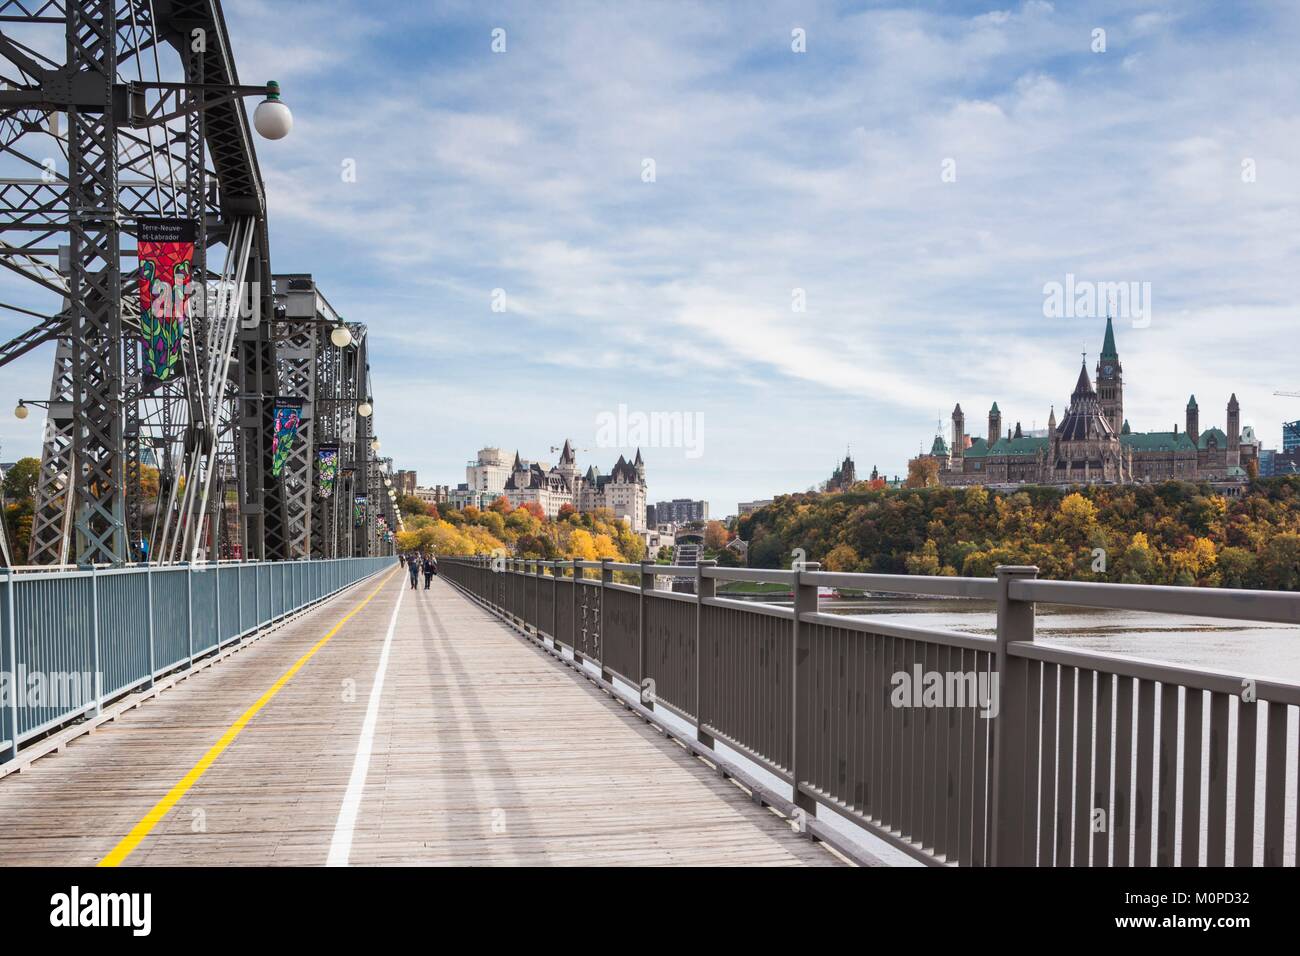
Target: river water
point(1248, 648)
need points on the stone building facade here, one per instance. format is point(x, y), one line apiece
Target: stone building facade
point(622, 491)
point(1093, 442)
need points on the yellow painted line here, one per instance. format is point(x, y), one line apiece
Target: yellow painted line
point(159, 810)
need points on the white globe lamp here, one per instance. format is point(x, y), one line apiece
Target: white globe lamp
point(272, 119)
point(341, 336)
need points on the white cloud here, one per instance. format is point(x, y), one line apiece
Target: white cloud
point(776, 171)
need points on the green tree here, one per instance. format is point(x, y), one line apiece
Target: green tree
point(1236, 567)
point(1280, 563)
point(20, 480)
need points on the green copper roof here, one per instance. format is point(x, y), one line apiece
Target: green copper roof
point(1191, 402)
point(1017, 446)
point(1157, 441)
point(1219, 435)
point(994, 408)
point(978, 448)
point(1125, 430)
point(940, 447)
point(1108, 346)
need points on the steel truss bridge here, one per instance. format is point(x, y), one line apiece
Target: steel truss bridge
point(117, 111)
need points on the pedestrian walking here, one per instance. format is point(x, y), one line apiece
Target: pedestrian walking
point(413, 566)
point(430, 569)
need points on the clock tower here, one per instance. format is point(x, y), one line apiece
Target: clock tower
point(1110, 381)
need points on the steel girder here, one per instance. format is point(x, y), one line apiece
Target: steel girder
point(330, 382)
point(96, 373)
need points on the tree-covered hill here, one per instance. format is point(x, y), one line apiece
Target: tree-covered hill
point(1170, 533)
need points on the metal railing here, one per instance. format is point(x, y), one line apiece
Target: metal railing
point(956, 748)
point(72, 641)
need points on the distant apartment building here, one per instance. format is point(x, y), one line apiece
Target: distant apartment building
point(749, 507)
point(489, 472)
point(437, 495)
point(1266, 462)
point(463, 496)
point(404, 483)
point(677, 511)
point(1290, 436)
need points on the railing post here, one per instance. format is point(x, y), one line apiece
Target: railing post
point(10, 584)
point(805, 602)
point(94, 617)
point(239, 598)
point(704, 588)
point(523, 593)
point(555, 604)
point(647, 585)
point(573, 619)
point(148, 584)
point(189, 609)
point(537, 599)
point(1008, 823)
point(216, 590)
point(606, 578)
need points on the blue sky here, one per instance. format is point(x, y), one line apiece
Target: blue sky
point(775, 171)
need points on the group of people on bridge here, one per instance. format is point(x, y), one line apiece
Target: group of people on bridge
point(416, 562)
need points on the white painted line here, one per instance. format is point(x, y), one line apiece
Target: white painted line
point(341, 845)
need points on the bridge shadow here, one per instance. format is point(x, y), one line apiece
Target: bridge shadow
point(763, 831)
point(441, 659)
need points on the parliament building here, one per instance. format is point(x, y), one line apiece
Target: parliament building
point(1093, 444)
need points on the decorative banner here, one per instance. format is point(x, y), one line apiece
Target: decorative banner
point(359, 511)
point(327, 469)
point(166, 251)
point(288, 416)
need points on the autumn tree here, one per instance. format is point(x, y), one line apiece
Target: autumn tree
point(842, 557)
point(922, 473)
point(534, 509)
point(411, 505)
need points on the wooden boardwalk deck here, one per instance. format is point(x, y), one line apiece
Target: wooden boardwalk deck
point(483, 751)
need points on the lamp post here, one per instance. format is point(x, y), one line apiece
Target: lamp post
point(21, 412)
point(272, 119)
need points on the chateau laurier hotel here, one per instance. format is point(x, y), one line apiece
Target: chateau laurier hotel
point(1093, 443)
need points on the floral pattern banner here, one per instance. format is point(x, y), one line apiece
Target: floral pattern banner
point(359, 511)
point(288, 416)
point(327, 469)
point(166, 251)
